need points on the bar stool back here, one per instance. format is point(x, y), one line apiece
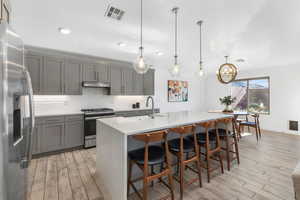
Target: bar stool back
point(148, 156)
point(210, 152)
point(230, 139)
point(181, 148)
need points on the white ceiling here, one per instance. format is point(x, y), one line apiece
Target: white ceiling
point(263, 32)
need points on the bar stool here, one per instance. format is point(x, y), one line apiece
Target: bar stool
point(211, 145)
point(147, 157)
point(230, 139)
point(181, 148)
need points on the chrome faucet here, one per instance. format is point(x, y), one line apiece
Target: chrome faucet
point(147, 105)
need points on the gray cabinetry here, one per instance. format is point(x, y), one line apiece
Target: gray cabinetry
point(36, 143)
point(61, 73)
point(127, 81)
point(138, 84)
point(89, 72)
point(149, 82)
point(72, 77)
point(57, 133)
point(122, 80)
point(96, 72)
point(52, 81)
point(102, 70)
point(34, 65)
point(52, 137)
point(73, 131)
point(116, 86)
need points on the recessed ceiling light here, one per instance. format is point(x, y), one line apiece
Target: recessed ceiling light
point(64, 31)
point(122, 44)
point(159, 53)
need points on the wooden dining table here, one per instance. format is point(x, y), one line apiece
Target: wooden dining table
point(236, 115)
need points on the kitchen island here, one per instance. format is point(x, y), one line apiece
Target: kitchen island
point(114, 141)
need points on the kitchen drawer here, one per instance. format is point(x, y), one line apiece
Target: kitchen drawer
point(54, 119)
point(71, 118)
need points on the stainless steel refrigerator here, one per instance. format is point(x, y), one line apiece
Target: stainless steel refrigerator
point(17, 116)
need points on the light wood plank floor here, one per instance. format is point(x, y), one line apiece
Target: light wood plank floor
point(264, 174)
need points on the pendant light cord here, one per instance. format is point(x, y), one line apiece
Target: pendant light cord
point(200, 24)
point(141, 39)
point(175, 10)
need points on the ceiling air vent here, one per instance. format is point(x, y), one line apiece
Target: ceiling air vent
point(113, 12)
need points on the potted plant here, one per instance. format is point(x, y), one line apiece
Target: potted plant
point(227, 101)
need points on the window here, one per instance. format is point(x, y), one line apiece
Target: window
point(251, 95)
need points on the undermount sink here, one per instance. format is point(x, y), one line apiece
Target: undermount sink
point(145, 117)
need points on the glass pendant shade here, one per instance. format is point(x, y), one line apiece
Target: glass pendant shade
point(175, 70)
point(140, 66)
point(200, 71)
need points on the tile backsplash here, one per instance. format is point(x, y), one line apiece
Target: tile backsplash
point(91, 98)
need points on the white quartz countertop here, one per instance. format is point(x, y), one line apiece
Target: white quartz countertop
point(78, 112)
point(49, 114)
point(142, 124)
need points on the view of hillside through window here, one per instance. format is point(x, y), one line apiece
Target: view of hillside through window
point(251, 95)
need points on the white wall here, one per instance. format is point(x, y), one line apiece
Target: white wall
point(284, 95)
point(93, 97)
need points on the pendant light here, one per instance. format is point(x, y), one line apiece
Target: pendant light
point(201, 71)
point(227, 72)
point(175, 69)
point(140, 66)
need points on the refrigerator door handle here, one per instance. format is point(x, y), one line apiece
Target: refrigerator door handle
point(28, 154)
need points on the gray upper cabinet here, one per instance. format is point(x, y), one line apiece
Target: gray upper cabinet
point(122, 79)
point(34, 65)
point(52, 75)
point(96, 72)
point(72, 77)
point(138, 84)
point(90, 72)
point(60, 73)
point(149, 82)
point(127, 81)
point(102, 71)
point(116, 86)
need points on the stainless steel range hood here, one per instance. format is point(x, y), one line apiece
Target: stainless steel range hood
point(95, 84)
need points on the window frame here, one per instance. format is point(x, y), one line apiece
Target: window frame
point(256, 78)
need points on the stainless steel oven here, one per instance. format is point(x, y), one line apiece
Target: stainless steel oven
point(90, 117)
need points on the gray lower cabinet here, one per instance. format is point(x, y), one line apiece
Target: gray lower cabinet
point(149, 82)
point(57, 133)
point(72, 77)
point(73, 134)
point(34, 65)
point(52, 76)
point(36, 144)
point(52, 137)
